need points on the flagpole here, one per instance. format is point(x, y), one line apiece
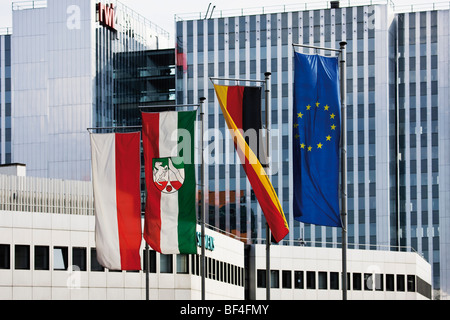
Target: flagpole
point(267, 92)
point(203, 198)
point(147, 271)
point(343, 80)
point(343, 87)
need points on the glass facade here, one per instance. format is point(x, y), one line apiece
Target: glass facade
point(63, 73)
point(393, 137)
point(142, 78)
point(418, 109)
point(121, 57)
point(5, 98)
point(246, 47)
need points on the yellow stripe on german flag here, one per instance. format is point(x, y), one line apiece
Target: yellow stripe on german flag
point(241, 108)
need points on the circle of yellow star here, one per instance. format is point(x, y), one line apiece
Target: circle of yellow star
point(329, 137)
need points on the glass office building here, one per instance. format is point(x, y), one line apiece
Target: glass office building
point(397, 97)
point(422, 119)
point(66, 56)
point(142, 78)
point(5, 96)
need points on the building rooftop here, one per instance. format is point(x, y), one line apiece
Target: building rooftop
point(39, 4)
point(312, 5)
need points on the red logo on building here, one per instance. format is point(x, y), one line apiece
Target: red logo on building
point(106, 15)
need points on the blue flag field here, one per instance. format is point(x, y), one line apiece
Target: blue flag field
point(316, 139)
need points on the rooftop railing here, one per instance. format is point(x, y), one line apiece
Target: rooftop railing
point(5, 31)
point(30, 194)
point(312, 5)
point(23, 5)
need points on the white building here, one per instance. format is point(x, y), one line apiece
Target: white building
point(299, 273)
point(47, 251)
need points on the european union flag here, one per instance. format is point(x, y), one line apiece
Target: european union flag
point(316, 133)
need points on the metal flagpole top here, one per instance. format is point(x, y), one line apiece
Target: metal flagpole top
point(147, 107)
point(315, 47)
point(236, 79)
point(170, 106)
point(114, 128)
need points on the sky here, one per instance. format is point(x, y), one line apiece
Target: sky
point(162, 12)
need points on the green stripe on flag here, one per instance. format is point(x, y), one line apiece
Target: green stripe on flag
point(187, 222)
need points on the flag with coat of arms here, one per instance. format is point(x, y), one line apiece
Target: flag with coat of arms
point(170, 215)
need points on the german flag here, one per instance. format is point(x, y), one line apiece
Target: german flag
point(241, 108)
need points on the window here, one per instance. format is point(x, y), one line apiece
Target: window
point(5, 260)
point(411, 283)
point(287, 279)
point(423, 288)
point(210, 268)
point(368, 281)
point(298, 278)
point(310, 280)
point(41, 257)
point(379, 282)
point(166, 263)
point(95, 265)
point(261, 278)
point(400, 282)
point(193, 264)
point(274, 278)
point(323, 283)
point(182, 263)
point(334, 280)
point(60, 258)
point(22, 257)
point(152, 261)
point(197, 264)
point(389, 282)
point(79, 258)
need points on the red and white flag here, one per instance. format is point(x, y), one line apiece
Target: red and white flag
point(170, 217)
point(116, 168)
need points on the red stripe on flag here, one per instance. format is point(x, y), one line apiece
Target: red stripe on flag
point(152, 228)
point(128, 197)
point(234, 104)
point(272, 214)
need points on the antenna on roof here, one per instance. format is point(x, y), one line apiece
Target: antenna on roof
point(212, 12)
point(206, 15)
